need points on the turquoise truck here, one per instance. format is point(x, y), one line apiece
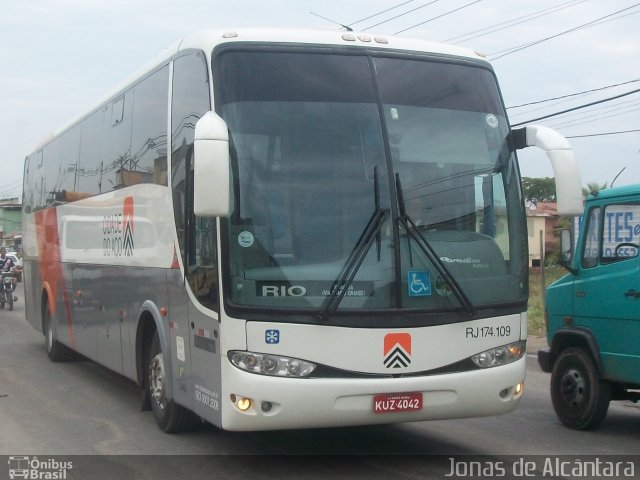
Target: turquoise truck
point(593, 313)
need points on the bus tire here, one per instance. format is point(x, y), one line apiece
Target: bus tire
point(170, 417)
point(580, 398)
point(55, 350)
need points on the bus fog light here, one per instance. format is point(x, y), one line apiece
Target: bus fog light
point(518, 388)
point(243, 403)
point(500, 355)
point(266, 406)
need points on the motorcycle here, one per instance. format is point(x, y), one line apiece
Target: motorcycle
point(7, 288)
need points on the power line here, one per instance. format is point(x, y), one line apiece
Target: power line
point(381, 12)
point(511, 50)
point(584, 122)
point(547, 106)
point(439, 16)
point(574, 94)
point(401, 15)
point(578, 107)
point(602, 134)
point(346, 27)
point(617, 18)
point(507, 24)
point(12, 186)
point(580, 116)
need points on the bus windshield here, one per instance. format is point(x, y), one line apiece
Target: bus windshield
point(322, 145)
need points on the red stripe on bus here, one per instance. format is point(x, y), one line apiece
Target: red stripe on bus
point(50, 263)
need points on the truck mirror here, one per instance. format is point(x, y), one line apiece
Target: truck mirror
point(211, 184)
point(566, 247)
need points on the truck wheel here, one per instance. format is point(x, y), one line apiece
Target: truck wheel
point(170, 416)
point(579, 397)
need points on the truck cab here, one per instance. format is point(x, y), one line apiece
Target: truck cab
point(593, 313)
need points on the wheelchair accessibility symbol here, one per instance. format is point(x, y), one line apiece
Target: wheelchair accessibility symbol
point(419, 282)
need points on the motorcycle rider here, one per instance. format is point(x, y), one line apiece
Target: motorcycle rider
point(8, 265)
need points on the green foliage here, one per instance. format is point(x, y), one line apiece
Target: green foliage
point(535, 316)
point(539, 189)
point(593, 187)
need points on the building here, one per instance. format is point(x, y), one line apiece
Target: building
point(11, 223)
point(541, 221)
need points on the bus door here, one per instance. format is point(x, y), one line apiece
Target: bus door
point(202, 280)
point(195, 303)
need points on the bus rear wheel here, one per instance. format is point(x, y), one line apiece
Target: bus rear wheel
point(170, 417)
point(580, 398)
point(55, 350)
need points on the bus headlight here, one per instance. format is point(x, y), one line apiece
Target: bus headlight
point(500, 355)
point(274, 365)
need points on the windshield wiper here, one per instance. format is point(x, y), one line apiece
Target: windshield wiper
point(414, 231)
point(356, 257)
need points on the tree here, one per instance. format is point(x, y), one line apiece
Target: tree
point(593, 188)
point(539, 189)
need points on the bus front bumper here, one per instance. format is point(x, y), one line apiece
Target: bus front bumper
point(285, 403)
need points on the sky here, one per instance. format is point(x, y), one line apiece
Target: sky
point(59, 57)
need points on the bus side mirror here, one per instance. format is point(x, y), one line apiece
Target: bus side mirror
point(211, 183)
point(563, 162)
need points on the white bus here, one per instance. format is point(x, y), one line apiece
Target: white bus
point(281, 229)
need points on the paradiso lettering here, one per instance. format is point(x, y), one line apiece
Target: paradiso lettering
point(117, 231)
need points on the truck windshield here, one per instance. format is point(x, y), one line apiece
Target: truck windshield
point(320, 146)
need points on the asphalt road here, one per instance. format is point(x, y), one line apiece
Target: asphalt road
point(80, 408)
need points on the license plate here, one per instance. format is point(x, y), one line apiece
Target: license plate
point(397, 402)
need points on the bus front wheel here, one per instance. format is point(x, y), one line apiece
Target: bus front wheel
point(580, 398)
point(170, 416)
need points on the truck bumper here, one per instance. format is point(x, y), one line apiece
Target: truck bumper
point(545, 360)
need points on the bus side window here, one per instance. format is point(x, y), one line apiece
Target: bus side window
point(196, 236)
point(147, 162)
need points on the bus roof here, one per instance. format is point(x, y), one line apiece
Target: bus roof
point(207, 40)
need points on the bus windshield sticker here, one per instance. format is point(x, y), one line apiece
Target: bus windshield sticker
point(442, 287)
point(245, 239)
point(419, 283)
point(492, 120)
